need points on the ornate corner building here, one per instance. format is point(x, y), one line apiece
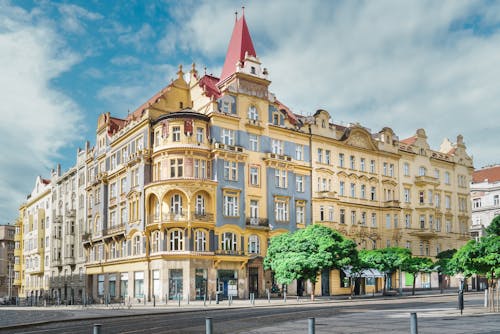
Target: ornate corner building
point(178, 199)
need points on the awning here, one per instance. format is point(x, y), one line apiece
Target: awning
point(365, 273)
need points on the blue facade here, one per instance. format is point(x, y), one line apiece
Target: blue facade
point(223, 184)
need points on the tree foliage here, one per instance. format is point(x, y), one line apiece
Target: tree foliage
point(478, 257)
point(443, 260)
point(494, 227)
point(416, 265)
point(385, 260)
point(306, 252)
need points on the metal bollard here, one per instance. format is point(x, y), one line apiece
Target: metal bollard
point(485, 297)
point(268, 297)
point(179, 299)
point(204, 300)
point(166, 299)
point(188, 299)
point(217, 298)
point(154, 301)
point(97, 328)
point(311, 330)
point(208, 326)
point(461, 301)
point(284, 296)
point(413, 323)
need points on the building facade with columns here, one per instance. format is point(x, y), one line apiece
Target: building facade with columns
point(183, 194)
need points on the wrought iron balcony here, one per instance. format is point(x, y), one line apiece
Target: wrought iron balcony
point(257, 222)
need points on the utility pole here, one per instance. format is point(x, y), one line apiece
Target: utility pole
point(9, 265)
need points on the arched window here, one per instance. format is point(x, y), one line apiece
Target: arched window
point(156, 209)
point(176, 204)
point(200, 241)
point(155, 242)
point(228, 241)
point(176, 240)
point(200, 205)
point(253, 244)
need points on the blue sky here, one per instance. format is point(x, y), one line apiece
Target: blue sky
point(402, 64)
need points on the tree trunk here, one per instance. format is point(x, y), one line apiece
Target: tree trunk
point(385, 283)
point(313, 289)
point(414, 281)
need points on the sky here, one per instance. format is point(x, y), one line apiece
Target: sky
point(403, 64)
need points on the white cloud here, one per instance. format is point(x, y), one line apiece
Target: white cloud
point(124, 60)
point(401, 64)
point(138, 38)
point(73, 17)
point(37, 120)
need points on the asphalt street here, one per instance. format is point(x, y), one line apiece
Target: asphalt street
point(436, 314)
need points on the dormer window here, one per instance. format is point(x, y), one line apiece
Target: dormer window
point(225, 107)
point(323, 123)
point(252, 69)
point(275, 119)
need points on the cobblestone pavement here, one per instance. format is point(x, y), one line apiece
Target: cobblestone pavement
point(360, 318)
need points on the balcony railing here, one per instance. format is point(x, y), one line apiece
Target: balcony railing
point(69, 260)
point(167, 217)
point(391, 204)
point(424, 180)
point(114, 229)
point(229, 252)
point(254, 221)
point(202, 216)
point(279, 156)
point(227, 147)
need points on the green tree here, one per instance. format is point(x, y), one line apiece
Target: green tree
point(415, 265)
point(479, 257)
point(443, 266)
point(385, 260)
point(306, 252)
point(494, 227)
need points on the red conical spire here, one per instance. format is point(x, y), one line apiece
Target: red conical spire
point(240, 43)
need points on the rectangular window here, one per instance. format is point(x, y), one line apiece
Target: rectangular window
point(341, 159)
point(299, 152)
point(112, 190)
point(496, 200)
point(421, 198)
point(227, 137)
point(447, 202)
point(353, 217)
point(407, 220)
point(299, 183)
point(123, 185)
point(199, 135)
point(281, 210)
point(138, 284)
point(446, 177)
point(422, 221)
point(373, 195)
point(407, 195)
point(300, 213)
point(100, 285)
point(391, 170)
point(388, 221)
point(280, 177)
point(372, 166)
point(230, 170)
point(277, 146)
point(341, 188)
point(156, 283)
point(254, 176)
point(374, 219)
point(384, 169)
point(320, 155)
point(352, 162)
point(362, 164)
point(353, 190)
point(342, 216)
point(231, 204)
point(254, 142)
point(176, 133)
point(327, 157)
point(430, 196)
point(396, 221)
point(406, 169)
point(363, 191)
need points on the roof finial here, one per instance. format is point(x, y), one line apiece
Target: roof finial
point(236, 15)
point(242, 11)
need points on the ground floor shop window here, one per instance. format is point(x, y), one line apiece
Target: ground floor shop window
point(124, 285)
point(139, 284)
point(156, 283)
point(100, 285)
point(200, 283)
point(227, 282)
point(175, 284)
point(112, 285)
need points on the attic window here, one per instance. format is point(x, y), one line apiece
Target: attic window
point(181, 105)
point(275, 119)
point(323, 123)
point(252, 69)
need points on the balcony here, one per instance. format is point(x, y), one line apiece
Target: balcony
point(424, 180)
point(253, 123)
point(167, 218)
point(391, 204)
point(424, 233)
point(204, 217)
point(226, 147)
point(281, 157)
point(229, 252)
point(257, 222)
point(114, 229)
point(70, 260)
point(56, 263)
